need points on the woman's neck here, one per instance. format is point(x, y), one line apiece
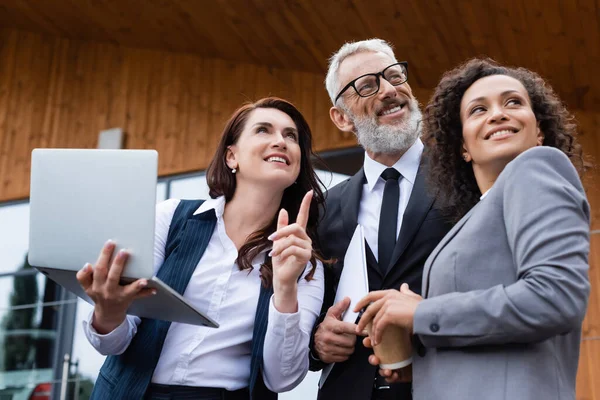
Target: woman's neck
point(486, 175)
point(251, 208)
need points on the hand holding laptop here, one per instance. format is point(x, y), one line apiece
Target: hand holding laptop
point(101, 284)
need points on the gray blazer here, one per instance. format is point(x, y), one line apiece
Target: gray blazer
point(506, 290)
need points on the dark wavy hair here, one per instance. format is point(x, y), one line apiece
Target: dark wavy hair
point(222, 182)
point(452, 179)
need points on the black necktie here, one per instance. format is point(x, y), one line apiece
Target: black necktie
point(388, 219)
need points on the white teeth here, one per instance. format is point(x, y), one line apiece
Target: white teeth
point(391, 110)
point(500, 133)
point(277, 159)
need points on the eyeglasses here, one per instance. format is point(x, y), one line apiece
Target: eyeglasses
point(368, 84)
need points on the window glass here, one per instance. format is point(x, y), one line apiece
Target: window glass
point(330, 179)
point(27, 332)
point(14, 238)
point(189, 188)
point(161, 191)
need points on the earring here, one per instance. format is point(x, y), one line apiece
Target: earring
point(233, 170)
point(465, 157)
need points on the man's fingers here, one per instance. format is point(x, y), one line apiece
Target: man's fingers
point(330, 358)
point(343, 340)
point(304, 211)
point(330, 353)
point(339, 308)
point(343, 328)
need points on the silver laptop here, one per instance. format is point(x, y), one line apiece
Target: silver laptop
point(81, 198)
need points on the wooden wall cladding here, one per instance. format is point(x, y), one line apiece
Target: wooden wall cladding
point(560, 39)
point(588, 384)
point(60, 93)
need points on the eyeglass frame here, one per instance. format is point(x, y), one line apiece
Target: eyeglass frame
point(378, 76)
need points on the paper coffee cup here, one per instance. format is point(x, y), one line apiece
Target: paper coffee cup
point(394, 349)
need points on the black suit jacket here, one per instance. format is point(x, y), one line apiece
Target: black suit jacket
point(422, 228)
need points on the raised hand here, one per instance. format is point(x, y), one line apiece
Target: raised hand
point(101, 284)
point(388, 307)
point(334, 338)
point(292, 250)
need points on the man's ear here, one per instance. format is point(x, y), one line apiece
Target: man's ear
point(230, 158)
point(341, 120)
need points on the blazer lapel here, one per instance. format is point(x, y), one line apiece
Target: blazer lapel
point(198, 231)
point(439, 247)
point(258, 335)
point(416, 210)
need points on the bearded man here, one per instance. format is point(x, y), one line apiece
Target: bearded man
point(372, 98)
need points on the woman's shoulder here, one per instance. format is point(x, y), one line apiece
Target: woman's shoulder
point(539, 171)
point(167, 206)
point(170, 205)
point(541, 160)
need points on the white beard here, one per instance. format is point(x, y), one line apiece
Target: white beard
point(388, 138)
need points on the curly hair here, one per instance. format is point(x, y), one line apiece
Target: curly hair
point(450, 177)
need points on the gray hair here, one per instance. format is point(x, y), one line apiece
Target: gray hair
point(371, 45)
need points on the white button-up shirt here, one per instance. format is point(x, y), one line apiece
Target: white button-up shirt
point(372, 196)
point(220, 357)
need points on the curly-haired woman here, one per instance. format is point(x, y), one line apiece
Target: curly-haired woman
point(505, 292)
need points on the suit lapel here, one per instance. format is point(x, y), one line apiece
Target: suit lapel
point(350, 203)
point(439, 247)
point(416, 210)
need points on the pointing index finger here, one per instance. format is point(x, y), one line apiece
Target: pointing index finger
point(302, 219)
point(282, 219)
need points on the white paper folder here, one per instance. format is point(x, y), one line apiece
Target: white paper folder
point(354, 283)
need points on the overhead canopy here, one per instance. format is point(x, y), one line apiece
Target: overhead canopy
point(559, 39)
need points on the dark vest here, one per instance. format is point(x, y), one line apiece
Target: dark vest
point(128, 375)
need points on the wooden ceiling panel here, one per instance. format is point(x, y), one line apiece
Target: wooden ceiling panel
point(559, 39)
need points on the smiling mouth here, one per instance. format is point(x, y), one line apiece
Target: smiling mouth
point(279, 160)
point(502, 133)
point(391, 109)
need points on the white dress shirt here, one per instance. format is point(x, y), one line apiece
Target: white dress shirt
point(220, 357)
point(372, 196)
